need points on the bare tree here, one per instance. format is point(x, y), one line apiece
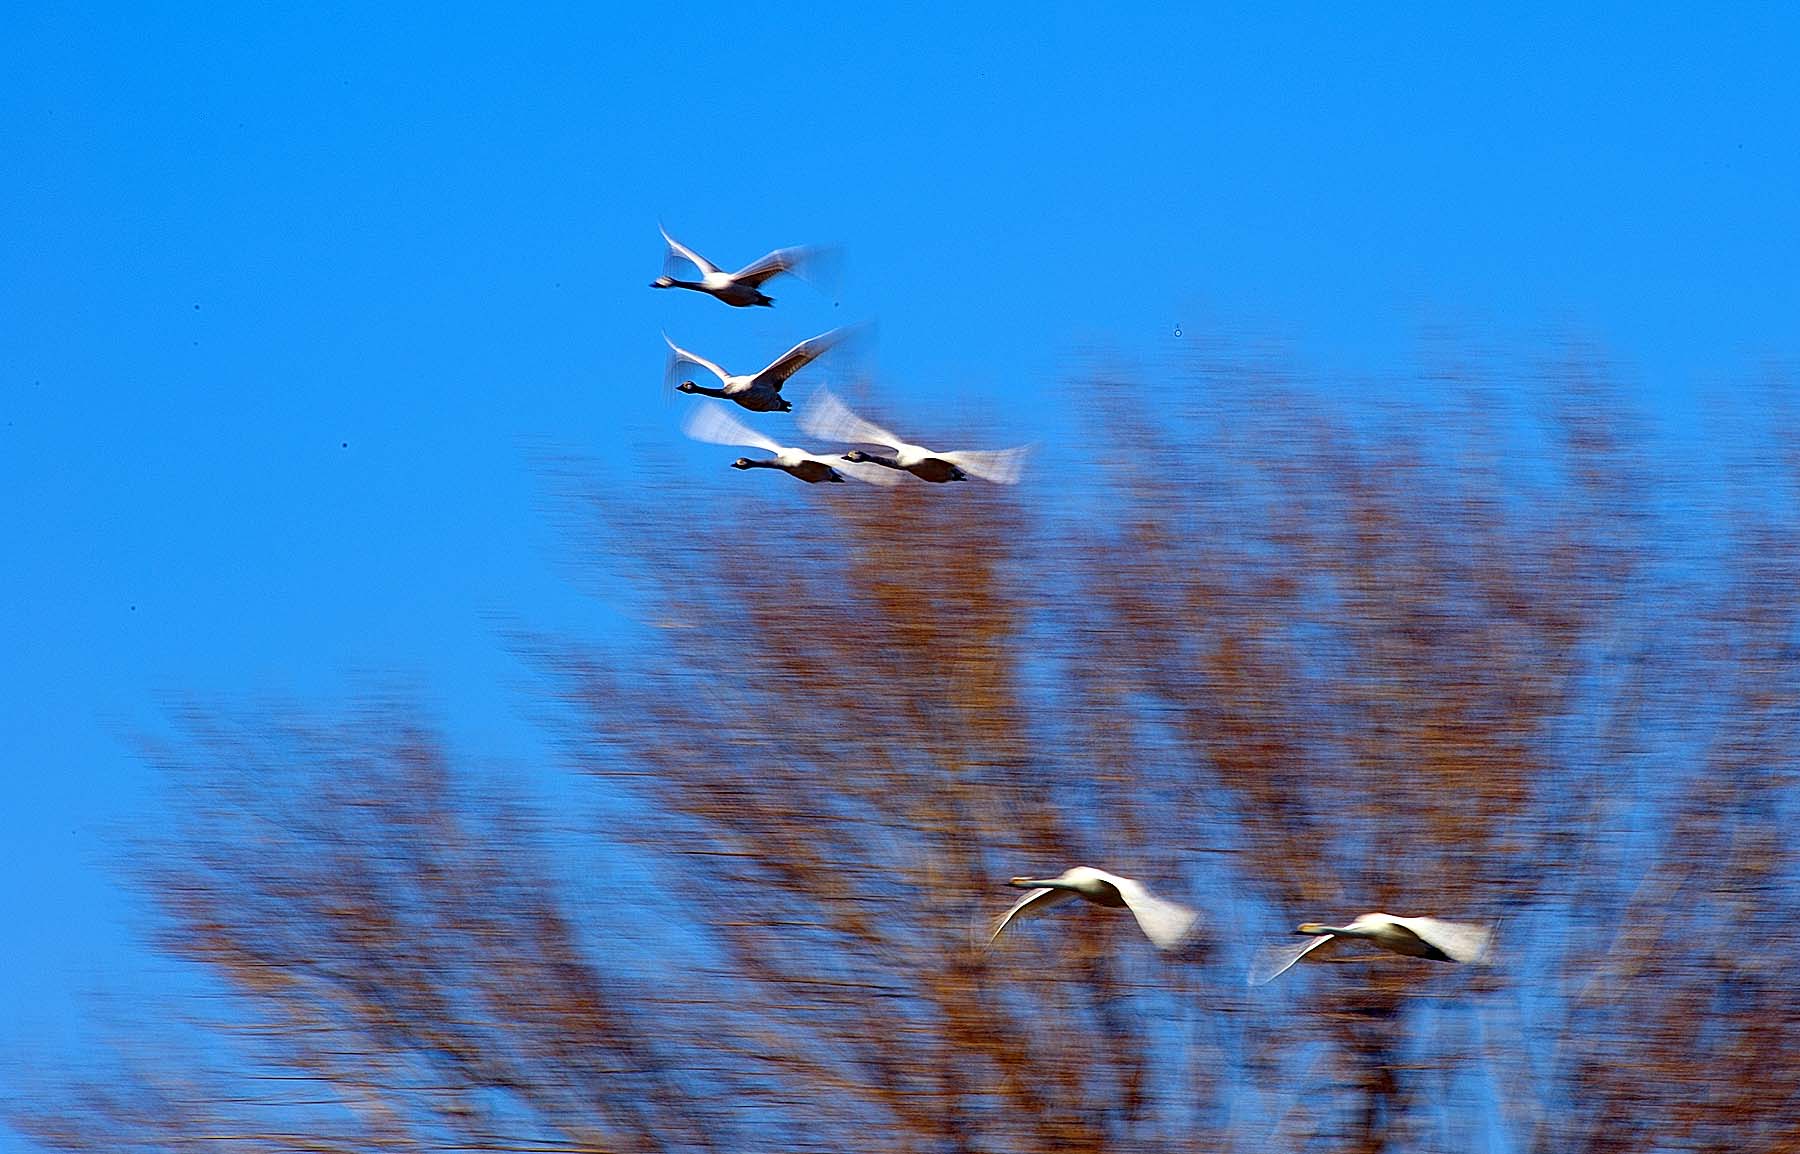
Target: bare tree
point(1284, 659)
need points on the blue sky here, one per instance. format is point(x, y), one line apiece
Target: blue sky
point(289, 302)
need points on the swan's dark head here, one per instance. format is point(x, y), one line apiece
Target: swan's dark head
point(687, 387)
point(856, 456)
point(663, 282)
point(741, 463)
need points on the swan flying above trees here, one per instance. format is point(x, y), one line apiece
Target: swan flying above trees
point(759, 392)
point(1167, 924)
point(829, 418)
point(1414, 937)
point(713, 424)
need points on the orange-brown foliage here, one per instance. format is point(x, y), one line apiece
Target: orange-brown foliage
point(1299, 665)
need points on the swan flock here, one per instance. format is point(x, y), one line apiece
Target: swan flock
point(883, 458)
point(826, 417)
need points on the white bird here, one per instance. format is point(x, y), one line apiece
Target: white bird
point(741, 288)
point(758, 392)
point(1415, 937)
point(715, 425)
point(829, 418)
point(1167, 924)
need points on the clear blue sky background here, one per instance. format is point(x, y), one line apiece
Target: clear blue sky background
point(288, 301)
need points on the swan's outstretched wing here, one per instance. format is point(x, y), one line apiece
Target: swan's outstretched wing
point(682, 354)
point(1273, 961)
point(830, 419)
point(817, 265)
point(1033, 903)
point(780, 261)
point(797, 358)
point(1167, 924)
point(1000, 466)
point(684, 252)
point(711, 423)
point(1459, 941)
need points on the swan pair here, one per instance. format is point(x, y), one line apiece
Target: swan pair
point(830, 419)
point(759, 392)
point(1169, 925)
point(714, 425)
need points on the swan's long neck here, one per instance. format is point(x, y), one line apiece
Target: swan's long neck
point(894, 463)
point(708, 390)
point(686, 284)
point(1319, 931)
point(769, 464)
point(1043, 884)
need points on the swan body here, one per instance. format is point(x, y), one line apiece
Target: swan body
point(759, 392)
point(1167, 924)
point(1413, 937)
point(830, 419)
point(740, 289)
point(715, 425)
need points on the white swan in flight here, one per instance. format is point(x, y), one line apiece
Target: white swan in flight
point(1167, 924)
point(830, 419)
point(715, 425)
point(1414, 937)
point(759, 392)
point(739, 289)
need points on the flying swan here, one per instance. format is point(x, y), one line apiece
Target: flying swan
point(830, 419)
point(713, 424)
point(759, 392)
point(739, 289)
point(1167, 924)
point(1414, 937)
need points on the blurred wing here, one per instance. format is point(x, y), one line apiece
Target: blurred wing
point(682, 354)
point(710, 422)
point(1460, 941)
point(797, 358)
point(1032, 904)
point(863, 471)
point(830, 419)
point(686, 253)
point(1273, 961)
point(1167, 924)
point(780, 261)
point(819, 265)
point(1000, 466)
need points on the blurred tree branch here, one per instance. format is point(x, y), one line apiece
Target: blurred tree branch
point(1447, 662)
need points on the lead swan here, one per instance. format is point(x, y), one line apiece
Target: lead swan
point(1414, 937)
point(713, 424)
point(828, 418)
point(759, 392)
point(1167, 924)
point(739, 289)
